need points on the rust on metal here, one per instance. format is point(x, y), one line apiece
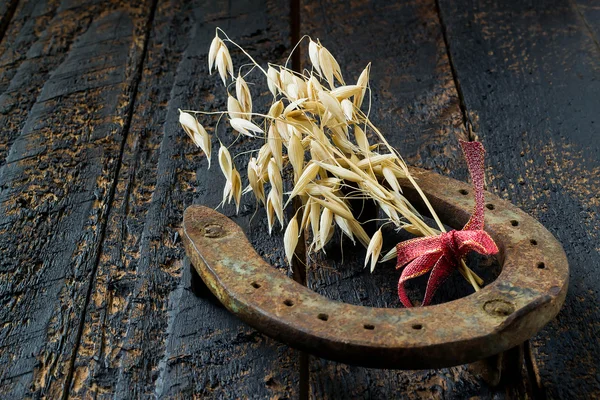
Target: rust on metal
point(528, 293)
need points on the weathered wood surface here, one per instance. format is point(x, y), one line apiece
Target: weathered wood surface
point(99, 300)
point(69, 74)
point(150, 328)
point(530, 80)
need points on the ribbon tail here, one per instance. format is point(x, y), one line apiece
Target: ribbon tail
point(419, 266)
point(475, 154)
point(440, 272)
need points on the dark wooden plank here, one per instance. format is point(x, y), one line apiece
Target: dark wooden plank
point(416, 105)
point(65, 107)
point(29, 52)
point(152, 328)
point(7, 10)
point(530, 79)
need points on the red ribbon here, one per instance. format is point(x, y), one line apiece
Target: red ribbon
point(442, 254)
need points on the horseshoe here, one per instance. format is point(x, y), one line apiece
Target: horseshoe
point(527, 294)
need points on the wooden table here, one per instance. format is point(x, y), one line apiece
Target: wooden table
point(98, 298)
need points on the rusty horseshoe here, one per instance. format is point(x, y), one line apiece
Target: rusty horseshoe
point(528, 293)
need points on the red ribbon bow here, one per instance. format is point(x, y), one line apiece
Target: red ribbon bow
point(442, 254)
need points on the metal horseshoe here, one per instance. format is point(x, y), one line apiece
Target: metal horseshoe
point(527, 294)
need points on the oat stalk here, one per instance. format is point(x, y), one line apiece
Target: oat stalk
point(315, 126)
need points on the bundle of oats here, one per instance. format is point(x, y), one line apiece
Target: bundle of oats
point(316, 124)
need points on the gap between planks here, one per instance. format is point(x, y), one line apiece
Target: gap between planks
point(585, 22)
point(300, 255)
point(461, 100)
point(7, 17)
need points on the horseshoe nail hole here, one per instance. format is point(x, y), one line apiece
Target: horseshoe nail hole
point(463, 192)
point(214, 231)
point(541, 265)
point(514, 222)
point(288, 302)
point(255, 285)
point(323, 317)
point(498, 308)
point(533, 242)
point(417, 327)
point(369, 327)
point(490, 206)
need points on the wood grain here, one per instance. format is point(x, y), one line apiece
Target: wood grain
point(530, 80)
point(589, 11)
point(152, 328)
point(65, 107)
point(416, 106)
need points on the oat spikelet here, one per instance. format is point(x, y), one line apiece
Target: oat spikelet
point(234, 109)
point(361, 139)
point(325, 227)
point(343, 92)
point(336, 207)
point(309, 173)
point(296, 156)
point(332, 105)
point(313, 87)
point(348, 109)
point(374, 249)
point(227, 194)
point(255, 181)
point(290, 239)
point(224, 63)
point(236, 189)
point(344, 226)
point(359, 232)
point(245, 127)
point(390, 255)
point(275, 144)
point(285, 77)
point(292, 91)
point(262, 161)
point(270, 211)
point(363, 82)
point(276, 109)
point(313, 54)
point(277, 202)
point(275, 177)
point(329, 67)
point(215, 45)
point(315, 214)
point(242, 92)
point(306, 214)
point(273, 80)
point(196, 132)
point(341, 172)
point(225, 162)
point(391, 179)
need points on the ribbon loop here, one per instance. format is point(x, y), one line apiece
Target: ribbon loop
point(441, 254)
